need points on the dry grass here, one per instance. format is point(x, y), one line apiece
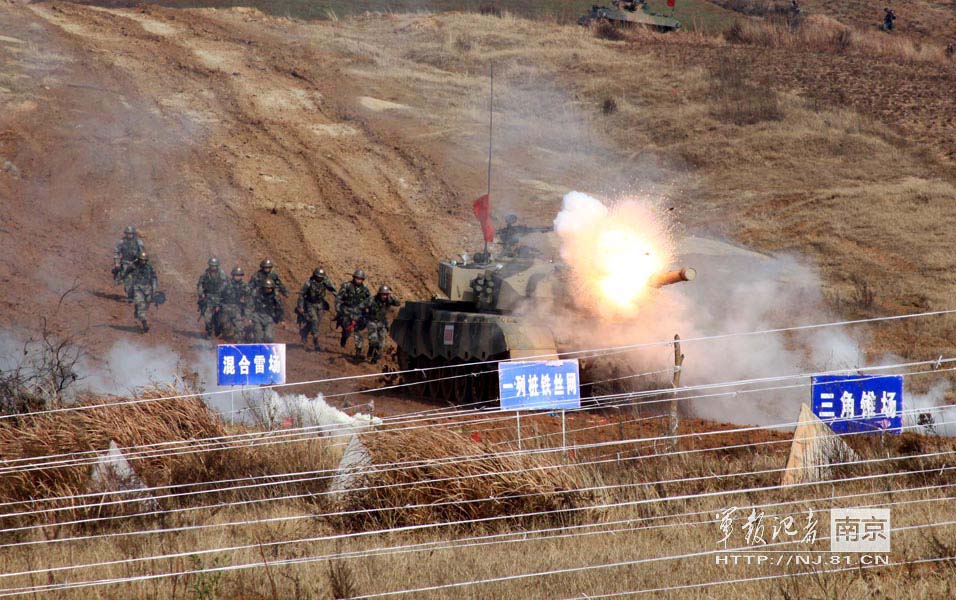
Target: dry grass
point(519, 484)
point(819, 33)
point(645, 530)
point(163, 422)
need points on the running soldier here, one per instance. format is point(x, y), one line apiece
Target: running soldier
point(266, 271)
point(125, 254)
point(311, 305)
point(232, 313)
point(376, 314)
point(266, 313)
point(143, 283)
point(349, 307)
point(209, 296)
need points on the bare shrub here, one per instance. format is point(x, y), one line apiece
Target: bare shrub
point(609, 106)
point(341, 580)
point(842, 40)
point(462, 44)
point(490, 9)
point(863, 294)
point(606, 30)
point(740, 101)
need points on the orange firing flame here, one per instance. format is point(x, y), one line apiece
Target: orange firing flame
point(613, 251)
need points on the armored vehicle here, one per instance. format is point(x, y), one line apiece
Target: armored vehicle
point(479, 323)
point(625, 12)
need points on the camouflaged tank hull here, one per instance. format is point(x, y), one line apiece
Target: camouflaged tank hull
point(624, 17)
point(436, 335)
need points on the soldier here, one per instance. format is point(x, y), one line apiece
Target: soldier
point(209, 296)
point(350, 304)
point(143, 282)
point(376, 314)
point(511, 234)
point(235, 297)
point(889, 19)
point(266, 313)
point(266, 272)
point(125, 254)
point(311, 304)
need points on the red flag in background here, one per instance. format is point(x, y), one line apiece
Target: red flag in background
point(670, 3)
point(482, 208)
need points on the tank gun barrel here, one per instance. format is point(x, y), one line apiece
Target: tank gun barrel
point(672, 277)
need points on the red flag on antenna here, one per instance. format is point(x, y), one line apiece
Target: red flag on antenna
point(670, 3)
point(482, 207)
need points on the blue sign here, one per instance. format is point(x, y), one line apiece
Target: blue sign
point(251, 364)
point(539, 385)
point(854, 403)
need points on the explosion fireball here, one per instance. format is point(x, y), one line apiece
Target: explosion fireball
point(613, 251)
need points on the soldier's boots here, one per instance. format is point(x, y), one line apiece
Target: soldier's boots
point(144, 325)
point(344, 338)
point(373, 355)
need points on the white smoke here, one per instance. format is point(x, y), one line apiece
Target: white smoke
point(276, 411)
point(130, 365)
point(736, 291)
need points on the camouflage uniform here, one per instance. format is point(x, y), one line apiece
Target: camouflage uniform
point(351, 302)
point(235, 298)
point(376, 314)
point(209, 291)
point(124, 255)
point(143, 283)
point(257, 279)
point(311, 304)
point(266, 312)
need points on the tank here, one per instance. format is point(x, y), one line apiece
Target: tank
point(625, 12)
point(476, 322)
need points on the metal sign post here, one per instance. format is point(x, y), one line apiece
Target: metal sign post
point(539, 385)
point(518, 419)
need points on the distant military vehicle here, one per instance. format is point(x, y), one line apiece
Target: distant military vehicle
point(478, 322)
point(626, 12)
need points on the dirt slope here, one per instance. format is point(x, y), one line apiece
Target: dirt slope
point(208, 142)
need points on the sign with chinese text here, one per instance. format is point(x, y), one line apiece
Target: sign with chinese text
point(858, 403)
point(251, 364)
point(539, 385)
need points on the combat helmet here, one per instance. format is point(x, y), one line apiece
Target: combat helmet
point(511, 219)
point(142, 257)
point(318, 273)
point(384, 290)
point(359, 274)
point(265, 264)
point(237, 271)
point(130, 230)
point(213, 262)
point(268, 284)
